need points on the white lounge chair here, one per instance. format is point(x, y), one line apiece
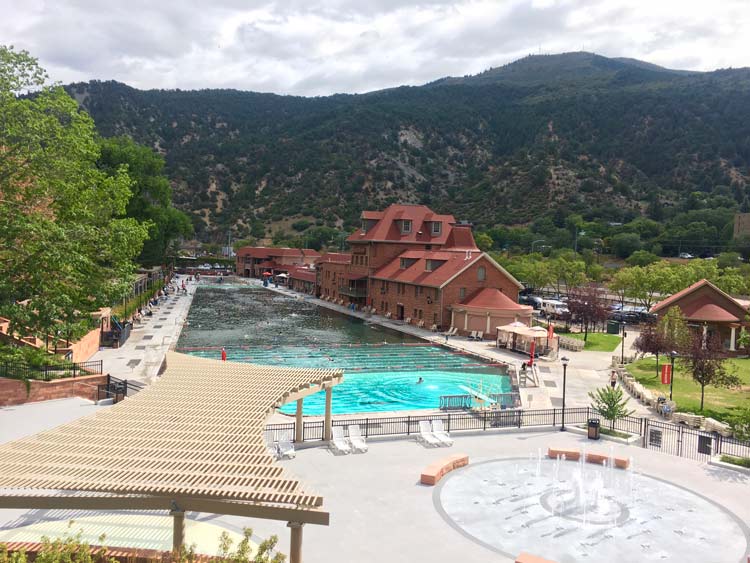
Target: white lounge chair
point(338, 443)
point(480, 335)
point(425, 434)
point(358, 442)
point(270, 443)
point(473, 335)
point(407, 320)
point(439, 432)
point(286, 447)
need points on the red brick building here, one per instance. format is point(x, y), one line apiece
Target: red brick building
point(303, 279)
point(425, 285)
point(412, 263)
point(333, 274)
point(252, 261)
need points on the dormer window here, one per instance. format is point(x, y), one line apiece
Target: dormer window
point(364, 226)
point(405, 226)
point(437, 227)
point(406, 262)
point(432, 265)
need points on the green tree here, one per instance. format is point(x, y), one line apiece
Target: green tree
point(645, 283)
point(739, 422)
point(66, 245)
point(151, 200)
point(704, 360)
point(642, 258)
point(610, 404)
point(484, 242)
point(673, 331)
point(624, 244)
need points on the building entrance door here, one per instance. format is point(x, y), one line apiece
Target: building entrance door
point(400, 312)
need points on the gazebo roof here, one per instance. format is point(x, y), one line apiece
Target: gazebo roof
point(192, 439)
point(702, 310)
point(492, 298)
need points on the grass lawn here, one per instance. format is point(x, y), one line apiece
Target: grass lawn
point(598, 341)
point(686, 393)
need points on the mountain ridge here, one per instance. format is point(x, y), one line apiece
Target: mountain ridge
point(600, 137)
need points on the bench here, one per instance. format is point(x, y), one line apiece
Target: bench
point(598, 459)
point(435, 471)
point(524, 557)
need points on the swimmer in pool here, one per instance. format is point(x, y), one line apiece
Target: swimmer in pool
point(420, 380)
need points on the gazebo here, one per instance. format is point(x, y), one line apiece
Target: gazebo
point(710, 310)
point(191, 441)
point(488, 308)
point(524, 339)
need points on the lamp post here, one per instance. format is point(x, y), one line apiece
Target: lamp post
point(672, 356)
point(564, 361)
point(624, 334)
point(534, 242)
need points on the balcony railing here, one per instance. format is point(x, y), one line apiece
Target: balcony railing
point(352, 291)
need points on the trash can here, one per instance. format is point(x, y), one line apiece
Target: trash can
point(593, 427)
point(613, 327)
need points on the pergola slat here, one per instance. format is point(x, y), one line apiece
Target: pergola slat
point(196, 433)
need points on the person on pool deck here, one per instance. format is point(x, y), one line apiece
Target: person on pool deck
point(420, 380)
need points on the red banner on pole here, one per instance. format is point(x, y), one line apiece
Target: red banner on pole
point(666, 374)
point(532, 352)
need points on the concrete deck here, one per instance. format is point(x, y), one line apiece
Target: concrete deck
point(380, 512)
point(142, 355)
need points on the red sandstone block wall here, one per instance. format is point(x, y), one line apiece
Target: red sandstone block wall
point(86, 346)
point(13, 391)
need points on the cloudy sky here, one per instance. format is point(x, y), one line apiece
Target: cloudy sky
point(315, 47)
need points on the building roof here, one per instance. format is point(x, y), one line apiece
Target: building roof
point(269, 252)
point(189, 439)
point(301, 273)
point(387, 228)
point(703, 310)
point(417, 274)
point(693, 301)
point(492, 298)
point(334, 258)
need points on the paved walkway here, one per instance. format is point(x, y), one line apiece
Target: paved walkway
point(143, 354)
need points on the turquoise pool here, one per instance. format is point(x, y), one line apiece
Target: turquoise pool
point(381, 367)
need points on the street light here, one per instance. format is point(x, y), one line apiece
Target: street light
point(534, 242)
point(672, 356)
point(624, 334)
point(564, 361)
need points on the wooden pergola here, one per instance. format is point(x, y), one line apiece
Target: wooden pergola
point(191, 441)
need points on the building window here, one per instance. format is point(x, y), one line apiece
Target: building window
point(406, 226)
point(461, 292)
point(414, 316)
point(481, 273)
point(436, 227)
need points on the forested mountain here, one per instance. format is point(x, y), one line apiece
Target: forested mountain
point(536, 140)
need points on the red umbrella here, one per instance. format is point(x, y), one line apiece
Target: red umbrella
point(267, 274)
point(531, 353)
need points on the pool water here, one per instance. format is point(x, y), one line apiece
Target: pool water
point(381, 367)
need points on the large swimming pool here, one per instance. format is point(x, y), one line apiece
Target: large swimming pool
point(381, 367)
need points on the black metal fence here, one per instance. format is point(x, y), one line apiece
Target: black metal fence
point(666, 437)
point(117, 389)
point(20, 370)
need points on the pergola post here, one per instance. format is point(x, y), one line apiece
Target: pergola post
point(295, 545)
point(299, 435)
point(327, 431)
point(178, 529)
point(732, 338)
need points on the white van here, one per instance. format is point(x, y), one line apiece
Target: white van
point(554, 308)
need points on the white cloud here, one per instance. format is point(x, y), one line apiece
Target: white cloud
point(319, 47)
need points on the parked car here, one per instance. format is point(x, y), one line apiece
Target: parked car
point(686, 256)
point(554, 308)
